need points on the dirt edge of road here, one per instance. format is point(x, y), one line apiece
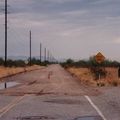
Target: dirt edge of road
point(21, 70)
point(88, 90)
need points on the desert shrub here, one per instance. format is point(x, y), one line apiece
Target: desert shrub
point(35, 61)
point(1, 61)
point(19, 63)
point(114, 83)
point(15, 63)
point(91, 62)
point(98, 71)
point(100, 84)
point(68, 63)
point(10, 63)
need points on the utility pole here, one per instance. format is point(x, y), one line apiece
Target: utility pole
point(40, 52)
point(6, 12)
point(45, 55)
point(51, 58)
point(48, 56)
point(30, 47)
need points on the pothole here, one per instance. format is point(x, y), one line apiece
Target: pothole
point(8, 85)
point(64, 101)
point(89, 118)
point(36, 118)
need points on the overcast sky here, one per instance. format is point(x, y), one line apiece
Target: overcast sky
point(68, 28)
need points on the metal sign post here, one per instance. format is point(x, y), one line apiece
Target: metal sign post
point(99, 59)
point(99, 76)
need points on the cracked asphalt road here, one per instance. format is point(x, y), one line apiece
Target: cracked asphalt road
point(53, 94)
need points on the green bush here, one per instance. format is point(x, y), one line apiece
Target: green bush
point(1, 61)
point(15, 63)
point(114, 83)
point(89, 63)
point(98, 72)
point(100, 84)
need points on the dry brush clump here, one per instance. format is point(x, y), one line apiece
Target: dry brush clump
point(86, 76)
point(83, 74)
point(93, 73)
point(9, 71)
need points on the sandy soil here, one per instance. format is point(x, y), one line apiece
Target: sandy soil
point(85, 76)
point(4, 72)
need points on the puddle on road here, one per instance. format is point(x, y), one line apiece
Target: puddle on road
point(89, 118)
point(9, 85)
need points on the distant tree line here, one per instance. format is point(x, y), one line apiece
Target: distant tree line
point(22, 63)
point(90, 63)
point(95, 68)
point(10, 63)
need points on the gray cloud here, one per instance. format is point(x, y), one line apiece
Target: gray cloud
point(69, 28)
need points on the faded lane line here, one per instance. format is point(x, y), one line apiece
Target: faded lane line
point(13, 101)
point(95, 107)
point(10, 106)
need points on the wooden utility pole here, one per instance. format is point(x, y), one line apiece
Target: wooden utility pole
point(40, 52)
point(6, 12)
point(48, 56)
point(45, 55)
point(6, 17)
point(30, 47)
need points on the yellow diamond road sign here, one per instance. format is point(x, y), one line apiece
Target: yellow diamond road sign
point(99, 58)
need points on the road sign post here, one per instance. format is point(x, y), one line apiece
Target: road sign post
point(100, 58)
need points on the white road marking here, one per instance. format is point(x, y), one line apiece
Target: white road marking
point(10, 106)
point(95, 107)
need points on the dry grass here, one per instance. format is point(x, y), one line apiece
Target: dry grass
point(85, 76)
point(4, 72)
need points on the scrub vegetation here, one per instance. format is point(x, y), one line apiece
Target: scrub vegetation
point(90, 72)
point(22, 63)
